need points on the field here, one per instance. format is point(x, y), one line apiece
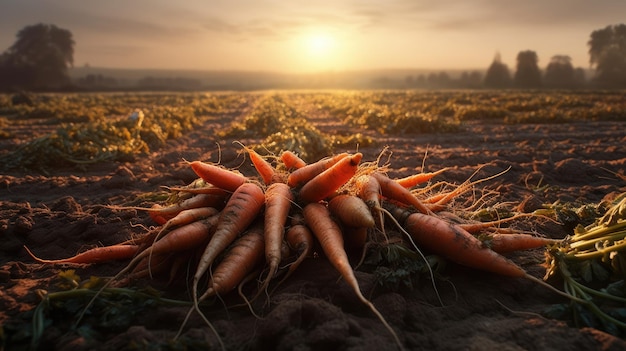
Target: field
point(64, 158)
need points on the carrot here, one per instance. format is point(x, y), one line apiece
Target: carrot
point(419, 178)
point(240, 211)
point(457, 245)
point(395, 191)
point(162, 214)
point(147, 267)
point(207, 189)
point(238, 262)
point(308, 172)
point(218, 176)
point(300, 240)
point(180, 239)
point(368, 189)
point(504, 243)
point(266, 170)
point(291, 160)
point(278, 199)
point(475, 227)
point(153, 212)
point(351, 210)
point(330, 238)
point(95, 255)
point(327, 182)
point(182, 218)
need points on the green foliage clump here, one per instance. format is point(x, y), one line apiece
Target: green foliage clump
point(591, 263)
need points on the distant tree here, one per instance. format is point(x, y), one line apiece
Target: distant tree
point(560, 73)
point(498, 75)
point(527, 75)
point(38, 59)
point(580, 77)
point(607, 53)
point(443, 80)
point(471, 80)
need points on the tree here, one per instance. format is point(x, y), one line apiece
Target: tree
point(497, 75)
point(560, 73)
point(527, 75)
point(607, 53)
point(38, 59)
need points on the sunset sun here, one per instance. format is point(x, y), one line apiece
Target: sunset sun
point(319, 44)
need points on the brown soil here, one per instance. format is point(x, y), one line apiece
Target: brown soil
point(60, 214)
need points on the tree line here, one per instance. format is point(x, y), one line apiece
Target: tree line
point(42, 54)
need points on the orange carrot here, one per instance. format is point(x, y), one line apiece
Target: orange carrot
point(207, 189)
point(416, 179)
point(475, 227)
point(218, 176)
point(147, 267)
point(368, 189)
point(278, 200)
point(180, 239)
point(95, 255)
point(457, 245)
point(153, 212)
point(308, 172)
point(327, 182)
point(291, 160)
point(330, 238)
point(238, 262)
point(395, 191)
point(504, 243)
point(240, 211)
point(162, 214)
point(351, 211)
point(300, 240)
point(266, 170)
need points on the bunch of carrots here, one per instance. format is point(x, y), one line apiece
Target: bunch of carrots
point(234, 228)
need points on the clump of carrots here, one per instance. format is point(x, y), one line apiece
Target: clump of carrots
point(233, 227)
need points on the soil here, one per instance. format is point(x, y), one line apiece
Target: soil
point(59, 214)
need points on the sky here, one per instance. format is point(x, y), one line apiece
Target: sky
point(315, 36)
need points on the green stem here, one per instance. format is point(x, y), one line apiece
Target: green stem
point(584, 243)
point(596, 254)
point(599, 230)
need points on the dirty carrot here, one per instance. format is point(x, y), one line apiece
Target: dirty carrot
point(503, 243)
point(392, 190)
point(159, 213)
point(241, 259)
point(291, 160)
point(95, 255)
point(330, 238)
point(180, 239)
point(218, 176)
point(300, 240)
point(351, 210)
point(278, 200)
point(457, 245)
point(419, 178)
point(240, 211)
point(327, 182)
point(308, 172)
point(368, 189)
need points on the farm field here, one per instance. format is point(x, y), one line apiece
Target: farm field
point(65, 157)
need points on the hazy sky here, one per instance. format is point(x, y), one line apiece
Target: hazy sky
point(320, 35)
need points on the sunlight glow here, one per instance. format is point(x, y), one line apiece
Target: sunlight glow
point(317, 50)
point(320, 44)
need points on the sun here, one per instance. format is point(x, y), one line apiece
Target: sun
point(319, 44)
